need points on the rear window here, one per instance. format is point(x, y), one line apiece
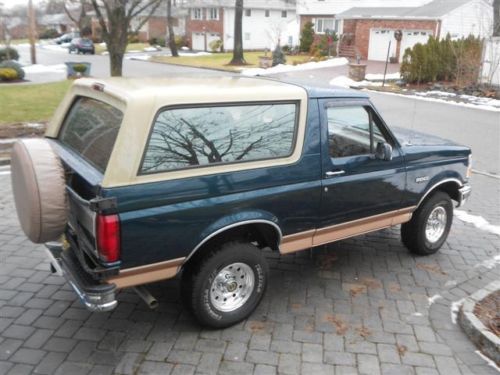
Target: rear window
point(190, 137)
point(90, 129)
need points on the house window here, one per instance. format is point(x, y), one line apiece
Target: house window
point(247, 36)
point(283, 14)
point(267, 13)
point(248, 12)
point(197, 14)
point(213, 14)
point(222, 134)
point(323, 24)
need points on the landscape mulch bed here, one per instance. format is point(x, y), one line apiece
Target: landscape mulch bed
point(488, 312)
point(22, 130)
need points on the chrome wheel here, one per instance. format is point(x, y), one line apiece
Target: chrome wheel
point(232, 287)
point(436, 224)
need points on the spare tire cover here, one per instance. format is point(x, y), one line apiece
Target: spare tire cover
point(39, 190)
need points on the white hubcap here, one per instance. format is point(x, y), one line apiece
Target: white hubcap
point(232, 287)
point(436, 224)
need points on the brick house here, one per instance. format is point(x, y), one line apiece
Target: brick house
point(264, 23)
point(369, 30)
point(324, 13)
point(156, 25)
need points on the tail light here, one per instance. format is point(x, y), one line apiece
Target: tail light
point(108, 237)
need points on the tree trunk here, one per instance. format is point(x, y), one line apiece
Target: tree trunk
point(238, 58)
point(171, 35)
point(116, 61)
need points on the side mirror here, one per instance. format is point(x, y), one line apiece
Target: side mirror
point(383, 151)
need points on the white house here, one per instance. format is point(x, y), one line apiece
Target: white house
point(265, 23)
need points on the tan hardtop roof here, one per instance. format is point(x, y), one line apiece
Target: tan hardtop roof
point(227, 88)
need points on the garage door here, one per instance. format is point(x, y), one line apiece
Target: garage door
point(412, 37)
point(379, 42)
point(198, 41)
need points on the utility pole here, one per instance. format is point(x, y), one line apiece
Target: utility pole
point(32, 30)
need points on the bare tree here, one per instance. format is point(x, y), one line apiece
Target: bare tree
point(77, 12)
point(496, 18)
point(171, 35)
point(182, 138)
point(238, 58)
point(115, 17)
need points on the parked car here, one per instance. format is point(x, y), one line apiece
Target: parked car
point(146, 179)
point(82, 45)
point(67, 38)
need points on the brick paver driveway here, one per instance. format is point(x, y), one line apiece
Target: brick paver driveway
point(357, 306)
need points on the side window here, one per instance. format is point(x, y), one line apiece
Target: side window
point(189, 137)
point(352, 131)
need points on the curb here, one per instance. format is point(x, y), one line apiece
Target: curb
point(485, 340)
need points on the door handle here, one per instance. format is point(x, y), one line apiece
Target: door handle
point(334, 173)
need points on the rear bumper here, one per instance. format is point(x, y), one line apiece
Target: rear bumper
point(463, 194)
point(94, 295)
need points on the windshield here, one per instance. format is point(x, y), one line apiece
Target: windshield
point(90, 129)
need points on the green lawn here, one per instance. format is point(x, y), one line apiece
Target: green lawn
point(30, 103)
point(221, 60)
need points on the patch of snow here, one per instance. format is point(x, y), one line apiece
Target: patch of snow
point(184, 48)
point(488, 361)
point(194, 54)
point(33, 125)
point(450, 283)
point(103, 44)
point(435, 92)
point(489, 263)
point(138, 57)
point(433, 299)
point(344, 81)
point(455, 308)
point(380, 77)
point(490, 105)
point(56, 47)
point(417, 314)
point(478, 221)
point(134, 51)
point(150, 49)
point(40, 68)
point(281, 68)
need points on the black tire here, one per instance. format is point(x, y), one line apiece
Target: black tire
point(413, 233)
point(198, 283)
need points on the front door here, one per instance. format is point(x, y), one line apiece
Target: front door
point(357, 187)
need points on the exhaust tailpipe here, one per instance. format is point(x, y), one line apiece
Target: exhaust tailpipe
point(146, 296)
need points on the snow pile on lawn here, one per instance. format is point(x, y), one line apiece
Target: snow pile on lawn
point(44, 69)
point(464, 100)
point(194, 54)
point(380, 77)
point(295, 68)
point(344, 81)
point(137, 56)
point(460, 100)
point(45, 73)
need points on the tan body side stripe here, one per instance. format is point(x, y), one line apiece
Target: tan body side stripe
point(291, 243)
point(315, 237)
point(146, 274)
